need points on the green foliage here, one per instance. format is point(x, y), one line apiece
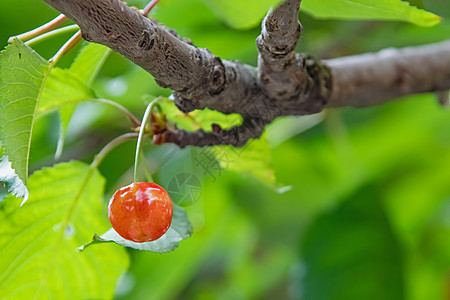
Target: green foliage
point(38, 241)
point(330, 260)
point(64, 89)
point(198, 119)
point(370, 9)
point(252, 159)
point(241, 14)
point(363, 213)
point(70, 86)
point(22, 76)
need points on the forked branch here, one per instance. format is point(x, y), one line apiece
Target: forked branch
point(285, 83)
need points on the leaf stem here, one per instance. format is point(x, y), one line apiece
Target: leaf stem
point(110, 146)
point(130, 116)
point(52, 33)
point(66, 47)
point(144, 122)
point(40, 30)
point(150, 6)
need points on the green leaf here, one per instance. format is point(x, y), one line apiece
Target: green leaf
point(395, 10)
point(198, 119)
point(89, 62)
point(38, 241)
point(241, 14)
point(352, 253)
point(180, 229)
point(73, 85)
point(253, 159)
point(22, 76)
point(64, 89)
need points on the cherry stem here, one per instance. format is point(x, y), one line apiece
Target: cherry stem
point(144, 122)
point(40, 30)
point(110, 146)
point(150, 6)
point(52, 33)
point(147, 173)
point(130, 116)
point(66, 47)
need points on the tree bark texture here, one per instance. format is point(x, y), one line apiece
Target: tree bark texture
point(283, 83)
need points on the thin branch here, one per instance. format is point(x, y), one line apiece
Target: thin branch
point(150, 6)
point(47, 35)
point(53, 24)
point(130, 116)
point(66, 47)
point(236, 136)
point(373, 78)
point(112, 145)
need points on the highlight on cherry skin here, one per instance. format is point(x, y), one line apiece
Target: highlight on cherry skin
point(140, 212)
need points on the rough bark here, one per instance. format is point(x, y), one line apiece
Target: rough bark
point(285, 83)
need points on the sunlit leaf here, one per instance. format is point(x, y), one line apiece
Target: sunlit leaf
point(395, 10)
point(70, 86)
point(180, 229)
point(38, 241)
point(22, 76)
point(65, 88)
point(198, 119)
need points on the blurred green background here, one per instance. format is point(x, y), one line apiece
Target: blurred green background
point(362, 204)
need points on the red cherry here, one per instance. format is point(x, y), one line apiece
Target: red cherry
point(140, 212)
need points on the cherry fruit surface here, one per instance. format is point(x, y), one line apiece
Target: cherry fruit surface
point(140, 212)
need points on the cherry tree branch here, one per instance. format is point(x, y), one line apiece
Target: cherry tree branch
point(373, 78)
point(284, 83)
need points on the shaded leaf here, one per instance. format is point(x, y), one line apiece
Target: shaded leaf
point(180, 229)
point(22, 76)
point(352, 253)
point(395, 10)
point(38, 241)
point(253, 159)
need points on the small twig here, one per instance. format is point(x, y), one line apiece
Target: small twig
point(41, 30)
point(130, 116)
point(150, 6)
point(111, 145)
point(66, 47)
point(443, 98)
point(237, 136)
point(52, 33)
